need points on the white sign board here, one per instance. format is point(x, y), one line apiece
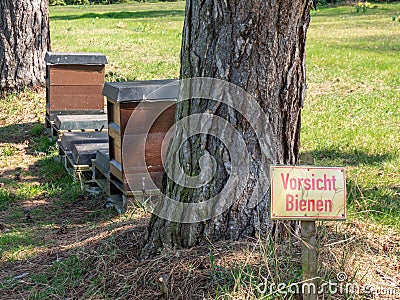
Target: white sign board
point(308, 193)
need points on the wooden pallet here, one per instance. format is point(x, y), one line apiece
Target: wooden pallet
point(133, 198)
point(49, 127)
point(75, 161)
point(119, 197)
point(101, 171)
point(80, 173)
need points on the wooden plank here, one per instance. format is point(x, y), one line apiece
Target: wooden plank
point(148, 111)
point(79, 75)
point(113, 113)
point(140, 170)
point(153, 149)
point(103, 160)
point(137, 181)
point(115, 150)
point(165, 121)
point(84, 153)
point(116, 186)
point(116, 170)
point(79, 122)
point(75, 98)
point(84, 103)
point(150, 144)
point(101, 172)
point(126, 110)
point(75, 90)
point(102, 184)
point(120, 118)
point(134, 155)
point(114, 130)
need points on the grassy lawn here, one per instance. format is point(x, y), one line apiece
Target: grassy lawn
point(141, 41)
point(69, 247)
point(352, 112)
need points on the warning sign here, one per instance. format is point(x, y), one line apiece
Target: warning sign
point(308, 193)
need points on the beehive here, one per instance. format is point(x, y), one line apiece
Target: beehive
point(145, 98)
point(74, 83)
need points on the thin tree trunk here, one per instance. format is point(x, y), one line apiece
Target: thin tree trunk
point(24, 40)
point(259, 46)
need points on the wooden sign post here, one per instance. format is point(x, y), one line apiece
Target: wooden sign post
point(309, 259)
point(308, 193)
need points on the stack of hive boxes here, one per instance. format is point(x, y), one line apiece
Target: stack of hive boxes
point(152, 106)
point(75, 106)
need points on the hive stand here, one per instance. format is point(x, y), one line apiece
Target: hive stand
point(101, 170)
point(77, 149)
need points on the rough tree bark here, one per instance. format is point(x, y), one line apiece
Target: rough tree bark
point(24, 40)
point(259, 46)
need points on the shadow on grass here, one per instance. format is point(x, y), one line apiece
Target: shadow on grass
point(123, 15)
point(37, 215)
point(17, 133)
point(63, 223)
point(354, 158)
point(378, 202)
point(340, 10)
point(377, 43)
point(381, 203)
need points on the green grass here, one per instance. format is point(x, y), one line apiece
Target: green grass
point(18, 244)
point(70, 272)
point(22, 240)
point(17, 109)
point(141, 41)
point(6, 199)
point(352, 113)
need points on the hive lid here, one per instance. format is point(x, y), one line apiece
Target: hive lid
point(75, 58)
point(147, 90)
point(69, 139)
point(79, 122)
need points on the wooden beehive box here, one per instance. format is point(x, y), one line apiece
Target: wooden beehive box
point(74, 83)
point(123, 98)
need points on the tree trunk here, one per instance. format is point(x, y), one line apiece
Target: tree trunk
point(258, 46)
point(24, 40)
